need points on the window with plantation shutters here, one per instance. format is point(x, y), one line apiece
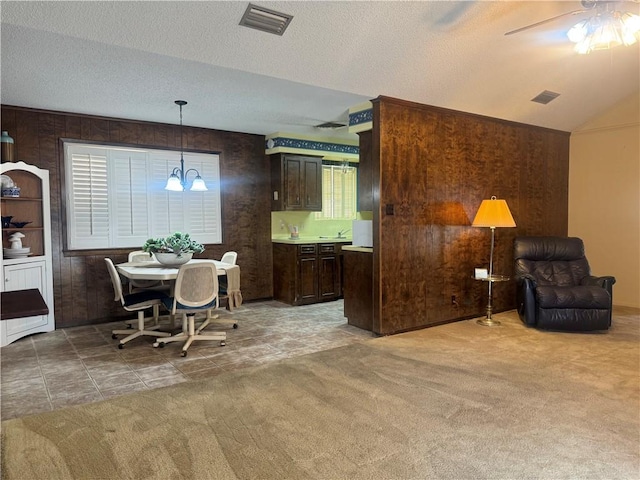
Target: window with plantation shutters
point(338, 193)
point(115, 197)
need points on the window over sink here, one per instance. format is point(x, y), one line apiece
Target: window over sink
point(115, 196)
point(339, 191)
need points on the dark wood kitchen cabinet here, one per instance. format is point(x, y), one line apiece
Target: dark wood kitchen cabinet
point(358, 288)
point(306, 285)
point(307, 273)
point(365, 173)
point(296, 183)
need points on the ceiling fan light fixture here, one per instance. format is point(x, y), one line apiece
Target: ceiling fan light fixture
point(578, 32)
point(631, 27)
point(605, 30)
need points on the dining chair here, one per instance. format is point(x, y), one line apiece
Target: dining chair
point(229, 257)
point(136, 302)
point(136, 285)
point(195, 291)
point(223, 291)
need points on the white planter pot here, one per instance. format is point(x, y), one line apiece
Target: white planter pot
point(172, 259)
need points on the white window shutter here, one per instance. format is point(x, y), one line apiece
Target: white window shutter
point(202, 209)
point(160, 168)
point(338, 192)
point(87, 199)
point(129, 206)
point(117, 197)
point(350, 191)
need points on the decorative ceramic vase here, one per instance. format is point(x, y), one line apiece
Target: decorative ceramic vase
point(7, 147)
point(172, 259)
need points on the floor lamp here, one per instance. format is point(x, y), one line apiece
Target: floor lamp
point(492, 213)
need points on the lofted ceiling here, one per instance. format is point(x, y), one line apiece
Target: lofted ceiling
point(131, 60)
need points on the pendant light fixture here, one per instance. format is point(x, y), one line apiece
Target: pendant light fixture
point(178, 178)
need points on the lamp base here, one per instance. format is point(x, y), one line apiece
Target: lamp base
point(488, 322)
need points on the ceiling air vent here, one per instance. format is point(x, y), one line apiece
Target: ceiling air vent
point(545, 97)
point(265, 19)
point(332, 125)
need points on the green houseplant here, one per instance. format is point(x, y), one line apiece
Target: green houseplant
point(176, 249)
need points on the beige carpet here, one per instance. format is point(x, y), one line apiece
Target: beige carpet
point(458, 401)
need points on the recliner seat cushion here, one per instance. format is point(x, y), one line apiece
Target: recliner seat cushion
point(572, 297)
point(575, 319)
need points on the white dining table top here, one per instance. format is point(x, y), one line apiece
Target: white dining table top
point(154, 270)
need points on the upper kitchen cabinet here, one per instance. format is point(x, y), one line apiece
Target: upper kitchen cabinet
point(365, 173)
point(296, 183)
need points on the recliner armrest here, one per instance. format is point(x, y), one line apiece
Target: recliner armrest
point(531, 280)
point(526, 299)
point(605, 282)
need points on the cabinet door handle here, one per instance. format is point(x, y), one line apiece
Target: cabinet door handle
point(298, 199)
point(308, 199)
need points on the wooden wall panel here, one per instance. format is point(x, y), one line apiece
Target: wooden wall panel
point(82, 288)
point(433, 167)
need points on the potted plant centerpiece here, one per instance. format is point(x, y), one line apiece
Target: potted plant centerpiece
point(176, 249)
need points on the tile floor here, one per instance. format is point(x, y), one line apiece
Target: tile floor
point(79, 365)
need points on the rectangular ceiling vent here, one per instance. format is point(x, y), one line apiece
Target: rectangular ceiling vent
point(265, 19)
point(545, 97)
point(331, 125)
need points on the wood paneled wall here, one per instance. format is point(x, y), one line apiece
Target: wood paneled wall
point(432, 167)
point(82, 290)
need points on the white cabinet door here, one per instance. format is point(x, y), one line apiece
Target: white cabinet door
point(22, 277)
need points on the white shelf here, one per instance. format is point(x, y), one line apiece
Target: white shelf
point(34, 271)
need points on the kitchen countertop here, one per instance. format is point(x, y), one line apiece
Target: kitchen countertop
point(355, 248)
point(309, 239)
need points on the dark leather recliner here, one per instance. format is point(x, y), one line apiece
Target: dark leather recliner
point(555, 288)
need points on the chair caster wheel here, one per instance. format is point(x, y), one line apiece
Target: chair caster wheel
point(223, 343)
point(235, 325)
point(114, 336)
point(121, 346)
point(156, 345)
point(183, 353)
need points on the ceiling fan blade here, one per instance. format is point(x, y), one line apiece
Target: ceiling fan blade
point(575, 12)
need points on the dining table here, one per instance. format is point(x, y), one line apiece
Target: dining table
point(154, 270)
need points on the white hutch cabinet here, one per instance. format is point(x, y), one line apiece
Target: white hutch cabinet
point(35, 270)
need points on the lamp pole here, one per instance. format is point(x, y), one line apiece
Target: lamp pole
point(489, 320)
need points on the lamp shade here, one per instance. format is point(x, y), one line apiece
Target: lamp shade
point(173, 184)
point(198, 185)
point(493, 213)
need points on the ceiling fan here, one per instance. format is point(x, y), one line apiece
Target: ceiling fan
point(605, 28)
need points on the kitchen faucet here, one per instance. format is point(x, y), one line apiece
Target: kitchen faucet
point(342, 232)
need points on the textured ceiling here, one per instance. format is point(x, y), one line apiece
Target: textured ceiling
point(133, 59)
